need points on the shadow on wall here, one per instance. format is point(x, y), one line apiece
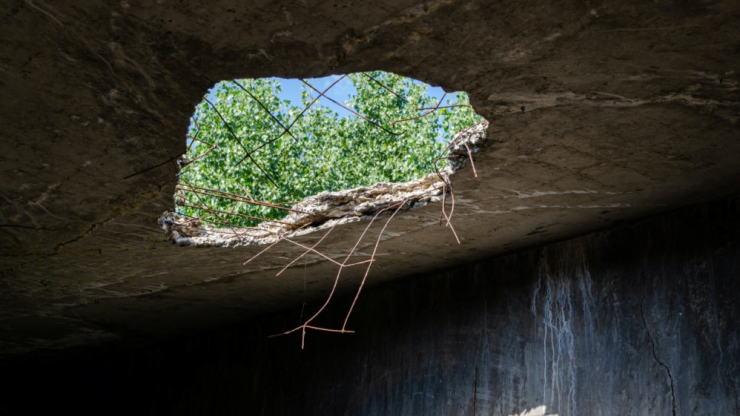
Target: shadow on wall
point(638, 320)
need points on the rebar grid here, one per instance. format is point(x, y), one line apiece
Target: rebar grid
point(286, 130)
point(191, 196)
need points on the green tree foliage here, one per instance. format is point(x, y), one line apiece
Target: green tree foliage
point(242, 150)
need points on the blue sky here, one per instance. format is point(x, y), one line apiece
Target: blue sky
point(291, 90)
point(340, 92)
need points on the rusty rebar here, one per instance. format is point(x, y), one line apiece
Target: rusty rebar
point(285, 130)
point(384, 86)
point(342, 266)
point(299, 115)
point(422, 115)
point(352, 111)
point(197, 132)
point(372, 257)
point(444, 106)
point(238, 198)
point(249, 155)
point(236, 214)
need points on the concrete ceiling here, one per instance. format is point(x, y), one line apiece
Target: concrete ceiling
point(600, 112)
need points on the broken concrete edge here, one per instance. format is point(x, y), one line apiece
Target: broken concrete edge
point(328, 209)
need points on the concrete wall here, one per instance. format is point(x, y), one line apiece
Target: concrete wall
point(600, 111)
point(637, 320)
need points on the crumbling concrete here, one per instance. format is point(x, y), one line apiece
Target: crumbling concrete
point(328, 209)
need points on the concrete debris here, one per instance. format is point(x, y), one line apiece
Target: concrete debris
point(329, 208)
point(471, 138)
point(180, 228)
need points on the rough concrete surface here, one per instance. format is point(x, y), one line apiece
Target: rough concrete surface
point(600, 112)
point(639, 320)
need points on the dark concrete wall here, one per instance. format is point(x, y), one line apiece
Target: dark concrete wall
point(638, 320)
point(625, 106)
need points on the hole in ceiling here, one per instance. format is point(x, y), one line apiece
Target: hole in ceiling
point(257, 146)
